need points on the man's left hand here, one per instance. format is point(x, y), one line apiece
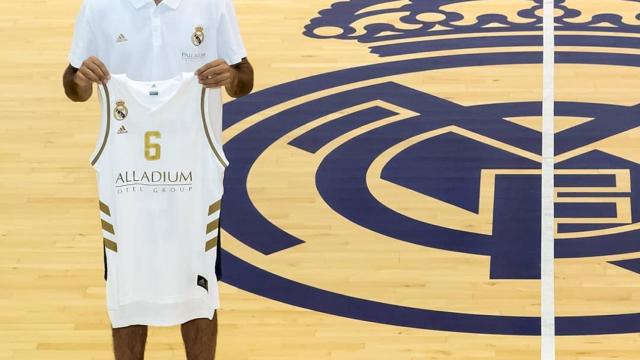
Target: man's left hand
point(216, 74)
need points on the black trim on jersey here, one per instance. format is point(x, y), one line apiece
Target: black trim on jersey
point(106, 135)
point(219, 249)
point(206, 129)
point(104, 254)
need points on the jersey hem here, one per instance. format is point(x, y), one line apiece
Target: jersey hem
point(154, 314)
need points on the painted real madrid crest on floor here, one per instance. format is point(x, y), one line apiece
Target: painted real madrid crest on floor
point(420, 176)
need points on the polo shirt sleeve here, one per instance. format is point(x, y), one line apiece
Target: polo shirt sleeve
point(230, 45)
point(83, 43)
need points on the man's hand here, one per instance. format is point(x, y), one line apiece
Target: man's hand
point(237, 78)
point(78, 82)
point(216, 74)
point(92, 71)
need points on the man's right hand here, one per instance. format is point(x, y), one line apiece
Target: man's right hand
point(91, 71)
point(78, 82)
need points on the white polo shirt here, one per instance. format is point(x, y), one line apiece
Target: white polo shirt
point(149, 42)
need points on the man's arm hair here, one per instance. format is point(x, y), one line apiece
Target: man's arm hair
point(244, 85)
point(73, 91)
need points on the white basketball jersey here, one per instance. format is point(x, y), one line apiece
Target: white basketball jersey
point(160, 183)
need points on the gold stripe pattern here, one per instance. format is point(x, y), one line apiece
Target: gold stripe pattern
point(211, 243)
point(212, 225)
point(107, 227)
point(110, 245)
point(206, 130)
point(215, 206)
point(105, 208)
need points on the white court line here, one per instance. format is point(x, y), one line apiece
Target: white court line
point(548, 329)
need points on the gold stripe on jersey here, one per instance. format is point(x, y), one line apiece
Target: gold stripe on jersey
point(212, 226)
point(110, 245)
point(104, 208)
point(107, 227)
point(211, 243)
point(106, 135)
point(206, 129)
point(214, 207)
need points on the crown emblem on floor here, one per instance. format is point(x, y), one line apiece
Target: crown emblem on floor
point(397, 27)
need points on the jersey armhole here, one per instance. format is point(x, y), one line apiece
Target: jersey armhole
point(206, 121)
point(105, 124)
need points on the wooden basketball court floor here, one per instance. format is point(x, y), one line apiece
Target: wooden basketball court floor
point(384, 193)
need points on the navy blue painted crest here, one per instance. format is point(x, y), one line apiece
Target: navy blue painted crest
point(513, 246)
point(342, 15)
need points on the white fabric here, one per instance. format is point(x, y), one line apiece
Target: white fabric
point(149, 42)
point(547, 283)
point(159, 219)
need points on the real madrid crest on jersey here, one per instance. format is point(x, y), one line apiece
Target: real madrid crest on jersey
point(198, 36)
point(120, 112)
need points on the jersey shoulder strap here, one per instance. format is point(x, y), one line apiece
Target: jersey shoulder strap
point(216, 148)
point(105, 124)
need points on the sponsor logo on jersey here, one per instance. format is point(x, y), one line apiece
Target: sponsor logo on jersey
point(122, 130)
point(154, 177)
point(120, 112)
point(159, 181)
point(197, 38)
point(121, 38)
point(380, 148)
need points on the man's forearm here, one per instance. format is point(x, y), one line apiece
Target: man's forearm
point(74, 91)
point(244, 83)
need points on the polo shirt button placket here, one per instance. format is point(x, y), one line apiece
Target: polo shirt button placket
point(156, 34)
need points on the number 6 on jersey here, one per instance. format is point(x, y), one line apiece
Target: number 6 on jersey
point(148, 145)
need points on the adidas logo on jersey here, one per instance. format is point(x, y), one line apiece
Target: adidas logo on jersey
point(122, 130)
point(121, 38)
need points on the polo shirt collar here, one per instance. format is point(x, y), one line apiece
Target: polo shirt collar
point(170, 3)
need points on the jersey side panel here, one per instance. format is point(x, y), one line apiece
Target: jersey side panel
point(213, 98)
point(105, 125)
point(100, 160)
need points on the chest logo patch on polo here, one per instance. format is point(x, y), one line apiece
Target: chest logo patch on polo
point(197, 38)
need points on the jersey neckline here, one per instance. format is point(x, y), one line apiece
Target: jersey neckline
point(183, 78)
